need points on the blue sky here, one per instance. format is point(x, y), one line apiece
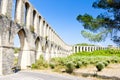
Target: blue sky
point(61, 15)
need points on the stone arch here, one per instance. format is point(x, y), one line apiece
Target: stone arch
point(26, 16)
point(75, 49)
point(82, 48)
point(39, 25)
point(21, 34)
point(51, 50)
point(43, 27)
point(34, 20)
point(38, 45)
point(47, 50)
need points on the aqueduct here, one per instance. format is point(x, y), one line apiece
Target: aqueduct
point(35, 34)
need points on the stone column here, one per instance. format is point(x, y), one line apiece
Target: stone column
point(6, 60)
point(95, 47)
point(47, 32)
point(53, 39)
point(50, 34)
point(9, 8)
point(41, 27)
point(36, 23)
point(80, 48)
point(4, 7)
point(18, 12)
point(44, 30)
point(74, 48)
point(89, 48)
point(26, 56)
point(47, 55)
point(29, 26)
point(39, 50)
point(77, 49)
point(52, 51)
point(84, 48)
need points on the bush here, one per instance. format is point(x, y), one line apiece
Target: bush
point(69, 67)
point(100, 66)
point(52, 65)
point(34, 66)
point(85, 62)
point(78, 64)
point(40, 64)
point(16, 50)
point(105, 63)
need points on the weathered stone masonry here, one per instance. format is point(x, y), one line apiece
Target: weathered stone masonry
point(35, 34)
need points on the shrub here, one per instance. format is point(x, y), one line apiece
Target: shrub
point(52, 65)
point(16, 50)
point(78, 64)
point(105, 63)
point(40, 64)
point(34, 66)
point(69, 67)
point(85, 62)
point(100, 66)
point(32, 28)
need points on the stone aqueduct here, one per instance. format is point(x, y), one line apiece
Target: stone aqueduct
point(35, 34)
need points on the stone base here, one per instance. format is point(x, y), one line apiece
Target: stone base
point(6, 60)
point(26, 59)
point(47, 56)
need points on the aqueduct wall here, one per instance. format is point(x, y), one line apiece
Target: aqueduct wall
point(78, 48)
point(35, 34)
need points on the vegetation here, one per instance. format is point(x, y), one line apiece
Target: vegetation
point(100, 59)
point(85, 44)
point(16, 50)
point(32, 28)
point(105, 23)
point(69, 67)
point(40, 64)
point(100, 66)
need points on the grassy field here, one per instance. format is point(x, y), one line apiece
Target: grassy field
point(100, 59)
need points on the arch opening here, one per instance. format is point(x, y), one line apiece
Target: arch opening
point(75, 49)
point(26, 12)
point(34, 14)
point(38, 46)
point(18, 48)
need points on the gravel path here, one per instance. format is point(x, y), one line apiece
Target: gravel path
point(35, 75)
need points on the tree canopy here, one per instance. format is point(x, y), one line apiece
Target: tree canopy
point(104, 24)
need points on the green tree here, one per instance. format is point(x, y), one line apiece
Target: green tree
point(104, 24)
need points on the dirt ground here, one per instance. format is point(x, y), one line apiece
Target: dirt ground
point(111, 72)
